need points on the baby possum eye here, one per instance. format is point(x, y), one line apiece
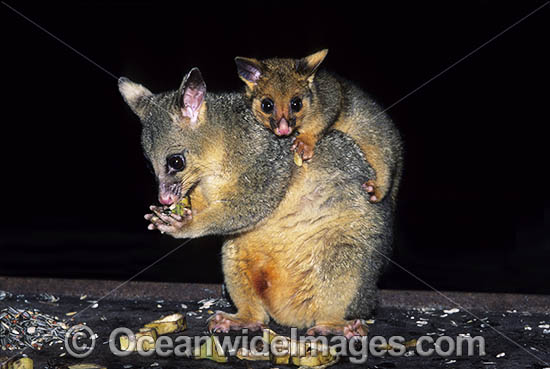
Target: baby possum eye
point(267, 105)
point(175, 162)
point(296, 104)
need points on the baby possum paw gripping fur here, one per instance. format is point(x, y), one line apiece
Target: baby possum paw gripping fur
point(303, 146)
point(372, 190)
point(166, 221)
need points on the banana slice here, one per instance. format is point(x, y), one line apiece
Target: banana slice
point(388, 347)
point(179, 208)
point(260, 352)
point(168, 324)
point(246, 354)
point(298, 159)
point(146, 338)
point(23, 363)
point(308, 354)
point(86, 366)
point(211, 350)
point(317, 356)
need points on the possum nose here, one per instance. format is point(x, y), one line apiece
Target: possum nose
point(167, 198)
point(283, 128)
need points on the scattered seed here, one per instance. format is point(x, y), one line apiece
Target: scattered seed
point(451, 311)
point(502, 354)
point(21, 328)
point(207, 303)
point(46, 297)
point(4, 294)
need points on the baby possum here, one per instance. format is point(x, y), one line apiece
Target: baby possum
point(293, 94)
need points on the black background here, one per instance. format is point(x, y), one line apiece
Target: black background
point(473, 210)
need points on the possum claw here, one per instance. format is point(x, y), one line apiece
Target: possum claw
point(224, 322)
point(349, 329)
point(372, 190)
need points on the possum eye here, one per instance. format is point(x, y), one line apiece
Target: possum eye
point(176, 162)
point(296, 104)
point(267, 105)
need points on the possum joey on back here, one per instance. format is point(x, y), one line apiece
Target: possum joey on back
point(282, 98)
point(289, 95)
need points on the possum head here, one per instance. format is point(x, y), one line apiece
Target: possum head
point(173, 128)
point(280, 89)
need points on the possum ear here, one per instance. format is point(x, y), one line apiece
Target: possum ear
point(134, 94)
point(250, 70)
point(308, 66)
point(191, 96)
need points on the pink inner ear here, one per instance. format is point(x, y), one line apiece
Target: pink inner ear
point(192, 101)
point(247, 70)
point(193, 98)
point(254, 74)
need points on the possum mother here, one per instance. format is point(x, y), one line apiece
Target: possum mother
point(304, 246)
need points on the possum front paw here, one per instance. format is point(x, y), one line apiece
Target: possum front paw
point(372, 190)
point(303, 146)
point(348, 329)
point(224, 322)
point(166, 221)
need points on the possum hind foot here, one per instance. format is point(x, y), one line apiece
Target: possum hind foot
point(224, 322)
point(349, 329)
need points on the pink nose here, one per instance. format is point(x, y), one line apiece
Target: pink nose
point(167, 198)
point(284, 128)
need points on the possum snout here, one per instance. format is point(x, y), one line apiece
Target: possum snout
point(169, 193)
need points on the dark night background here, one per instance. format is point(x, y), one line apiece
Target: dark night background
point(473, 213)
